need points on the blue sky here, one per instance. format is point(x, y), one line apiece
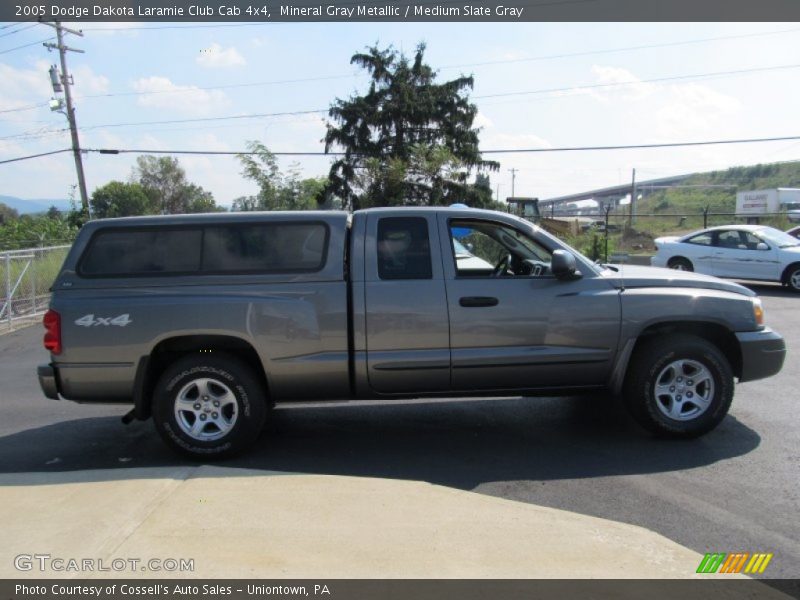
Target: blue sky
point(161, 70)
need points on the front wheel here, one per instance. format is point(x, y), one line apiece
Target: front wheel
point(679, 386)
point(209, 407)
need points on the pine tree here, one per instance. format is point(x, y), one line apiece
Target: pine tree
point(408, 141)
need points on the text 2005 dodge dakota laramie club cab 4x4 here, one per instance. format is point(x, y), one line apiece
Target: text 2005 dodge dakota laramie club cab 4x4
point(205, 321)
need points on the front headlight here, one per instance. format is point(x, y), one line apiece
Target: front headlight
point(758, 312)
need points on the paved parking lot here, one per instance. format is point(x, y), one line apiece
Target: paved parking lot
point(736, 489)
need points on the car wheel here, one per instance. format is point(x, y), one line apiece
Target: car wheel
point(680, 264)
point(679, 386)
point(793, 278)
point(209, 407)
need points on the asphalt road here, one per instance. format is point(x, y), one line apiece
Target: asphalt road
point(736, 489)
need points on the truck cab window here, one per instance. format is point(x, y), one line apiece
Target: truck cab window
point(488, 249)
point(404, 250)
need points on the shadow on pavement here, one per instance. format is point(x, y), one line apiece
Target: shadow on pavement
point(771, 290)
point(457, 443)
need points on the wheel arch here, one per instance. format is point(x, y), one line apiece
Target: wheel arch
point(789, 268)
point(715, 333)
point(675, 257)
point(170, 349)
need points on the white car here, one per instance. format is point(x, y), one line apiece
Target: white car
point(738, 251)
point(467, 260)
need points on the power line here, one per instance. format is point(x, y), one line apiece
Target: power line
point(641, 146)
point(330, 77)
point(21, 108)
point(509, 61)
point(639, 81)
point(18, 30)
point(206, 119)
point(30, 156)
point(192, 88)
point(503, 151)
point(528, 92)
point(27, 45)
point(621, 49)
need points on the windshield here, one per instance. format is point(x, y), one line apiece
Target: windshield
point(777, 237)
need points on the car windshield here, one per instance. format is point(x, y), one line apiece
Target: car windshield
point(777, 237)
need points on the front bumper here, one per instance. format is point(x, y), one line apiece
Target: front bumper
point(763, 353)
point(48, 381)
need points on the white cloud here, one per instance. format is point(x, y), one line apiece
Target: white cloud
point(482, 121)
point(160, 92)
point(87, 81)
point(630, 88)
point(513, 141)
point(23, 87)
point(217, 57)
point(692, 109)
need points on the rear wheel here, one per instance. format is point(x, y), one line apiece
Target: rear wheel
point(793, 278)
point(209, 407)
point(680, 264)
point(679, 386)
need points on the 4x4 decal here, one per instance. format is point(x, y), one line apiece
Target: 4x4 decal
point(91, 321)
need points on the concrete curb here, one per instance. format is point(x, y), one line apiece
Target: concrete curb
point(248, 523)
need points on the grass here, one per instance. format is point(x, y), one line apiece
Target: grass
point(39, 275)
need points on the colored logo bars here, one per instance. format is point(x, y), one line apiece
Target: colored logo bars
point(734, 563)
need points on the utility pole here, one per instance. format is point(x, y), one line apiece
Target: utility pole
point(66, 81)
point(513, 179)
point(633, 199)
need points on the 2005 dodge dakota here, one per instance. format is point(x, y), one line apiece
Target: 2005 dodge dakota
point(205, 321)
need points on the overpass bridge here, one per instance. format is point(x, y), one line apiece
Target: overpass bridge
point(609, 196)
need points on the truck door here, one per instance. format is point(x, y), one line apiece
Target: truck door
point(407, 332)
point(512, 324)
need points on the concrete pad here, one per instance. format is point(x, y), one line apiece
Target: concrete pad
point(242, 523)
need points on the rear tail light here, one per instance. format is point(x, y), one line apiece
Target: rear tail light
point(52, 336)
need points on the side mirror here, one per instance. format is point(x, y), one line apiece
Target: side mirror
point(562, 265)
point(762, 246)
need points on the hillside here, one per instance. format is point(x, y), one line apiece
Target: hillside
point(37, 205)
point(720, 199)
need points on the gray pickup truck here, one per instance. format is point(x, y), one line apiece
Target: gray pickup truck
point(204, 322)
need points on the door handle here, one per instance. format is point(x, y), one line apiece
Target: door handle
point(475, 301)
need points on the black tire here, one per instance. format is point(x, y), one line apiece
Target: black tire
point(792, 278)
point(681, 264)
point(232, 389)
point(655, 363)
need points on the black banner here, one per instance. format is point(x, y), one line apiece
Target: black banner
point(399, 589)
point(393, 10)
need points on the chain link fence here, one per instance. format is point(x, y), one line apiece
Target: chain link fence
point(612, 235)
point(25, 279)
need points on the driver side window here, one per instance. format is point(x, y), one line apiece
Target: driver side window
point(488, 249)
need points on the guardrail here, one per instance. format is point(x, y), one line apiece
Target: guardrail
point(25, 279)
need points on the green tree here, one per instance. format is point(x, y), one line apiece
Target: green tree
point(199, 200)
point(164, 181)
point(7, 214)
point(275, 190)
point(35, 230)
point(408, 140)
point(118, 199)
